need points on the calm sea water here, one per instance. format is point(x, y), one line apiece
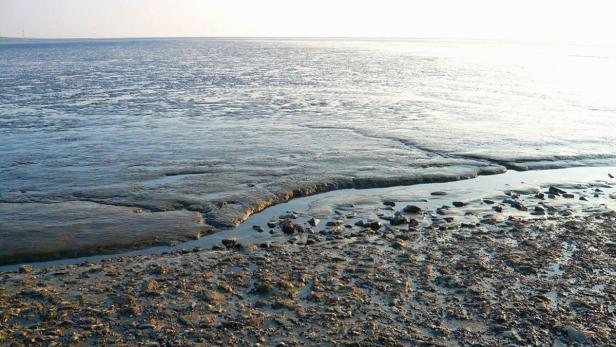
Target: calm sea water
point(167, 124)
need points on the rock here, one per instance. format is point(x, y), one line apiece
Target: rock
point(458, 204)
point(411, 209)
point(583, 198)
point(314, 221)
point(389, 203)
point(399, 219)
point(438, 193)
point(398, 244)
point(25, 269)
point(556, 191)
point(413, 223)
point(568, 196)
point(287, 226)
point(516, 204)
point(374, 225)
point(271, 224)
point(488, 201)
point(610, 175)
point(359, 223)
point(539, 210)
point(231, 243)
point(258, 228)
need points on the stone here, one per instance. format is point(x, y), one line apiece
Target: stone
point(25, 269)
point(399, 219)
point(287, 226)
point(411, 209)
point(258, 228)
point(314, 221)
point(389, 203)
point(439, 193)
point(458, 204)
point(556, 191)
point(374, 225)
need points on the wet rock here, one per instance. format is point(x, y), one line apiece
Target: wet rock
point(438, 193)
point(398, 244)
point(258, 228)
point(314, 221)
point(231, 243)
point(399, 219)
point(25, 269)
point(568, 196)
point(488, 201)
point(610, 175)
point(374, 225)
point(359, 223)
point(412, 209)
point(458, 204)
point(538, 210)
point(556, 191)
point(271, 224)
point(389, 203)
point(287, 226)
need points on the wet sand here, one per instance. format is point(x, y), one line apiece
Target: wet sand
point(530, 266)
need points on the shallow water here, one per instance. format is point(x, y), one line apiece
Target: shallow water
point(368, 203)
point(226, 127)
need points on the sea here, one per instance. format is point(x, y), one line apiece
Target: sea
point(222, 128)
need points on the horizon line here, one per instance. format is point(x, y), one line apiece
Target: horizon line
point(502, 39)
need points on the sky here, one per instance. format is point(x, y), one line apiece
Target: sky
point(564, 20)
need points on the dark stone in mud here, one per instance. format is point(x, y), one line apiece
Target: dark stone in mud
point(458, 204)
point(540, 196)
point(441, 211)
point(539, 210)
point(498, 209)
point(231, 243)
point(258, 228)
point(398, 219)
point(438, 193)
point(610, 175)
point(556, 191)
point(413, 223)
point(25, 269)
point(374, 225)
point(271, 224)
point(287, 226)
point(583, 198)
point(488, 201)
point(389, 203)
point(359, 223)
point(515, 204)
point(412, 209)
point(314, 221)
point(568, 196)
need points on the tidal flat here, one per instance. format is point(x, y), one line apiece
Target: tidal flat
point(530, 265)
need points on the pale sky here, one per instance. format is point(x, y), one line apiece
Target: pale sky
point(574, 20)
